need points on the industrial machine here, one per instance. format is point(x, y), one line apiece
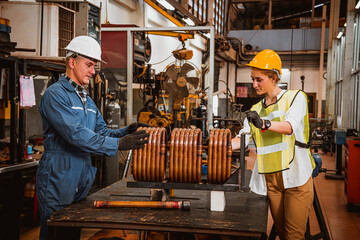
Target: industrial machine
point(175, 105)
point(180, 80)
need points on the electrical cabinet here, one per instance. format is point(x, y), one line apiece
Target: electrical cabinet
point(352, 176)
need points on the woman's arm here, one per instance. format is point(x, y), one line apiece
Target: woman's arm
point(281, 127)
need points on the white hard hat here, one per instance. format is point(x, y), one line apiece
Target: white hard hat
point(85, 46)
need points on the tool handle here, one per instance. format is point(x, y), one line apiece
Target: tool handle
point(185, 205)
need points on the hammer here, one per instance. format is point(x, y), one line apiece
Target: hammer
point(184, 205)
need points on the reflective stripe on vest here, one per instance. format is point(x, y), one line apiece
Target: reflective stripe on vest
point(275, 151)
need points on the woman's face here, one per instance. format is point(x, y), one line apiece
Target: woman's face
point(261, 82)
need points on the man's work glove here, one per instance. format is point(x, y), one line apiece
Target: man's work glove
point(134, 140)
point(254, 118)
point(134, 126)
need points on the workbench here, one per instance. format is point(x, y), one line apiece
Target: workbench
point(245, 214)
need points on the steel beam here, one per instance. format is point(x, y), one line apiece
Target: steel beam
point(321, 67)
point(164, 13)
point(184, 11)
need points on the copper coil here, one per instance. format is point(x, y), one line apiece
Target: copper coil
point(229, 154)
point(185, 167)
point(210, 156)
point(149, 162)
point(221, 169)
point(162, 149)
point(190, 159)
point(172, 150)
point(181, 154)
point(152, 153)
point(185, 163)
point(198, 155)
point(219, 155)
point(176, 155)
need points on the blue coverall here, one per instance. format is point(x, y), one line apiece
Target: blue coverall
point(71, 133)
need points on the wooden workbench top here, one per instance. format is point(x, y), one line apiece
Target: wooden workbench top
point(245, 213)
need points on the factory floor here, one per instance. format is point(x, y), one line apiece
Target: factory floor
point(341, 224)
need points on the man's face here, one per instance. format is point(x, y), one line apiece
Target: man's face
point(83, 69)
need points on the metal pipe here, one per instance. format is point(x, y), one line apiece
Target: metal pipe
point(312, 12)
point(227, 87)
point(321, 67)
point(14, 80)
point(183, 205)
point(41, 26)
point(242, 162)
point(210, 82)
point(159, 29)
point(129, 90)
point(269, 15)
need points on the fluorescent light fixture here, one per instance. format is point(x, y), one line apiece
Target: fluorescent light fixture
point(319, 5)
point(339, 35)
point(166, 5)
point(189, 21)
point(357, 5)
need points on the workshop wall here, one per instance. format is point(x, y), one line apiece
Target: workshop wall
point(121, 12)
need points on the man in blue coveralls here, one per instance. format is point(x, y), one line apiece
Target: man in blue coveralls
point(73, 129)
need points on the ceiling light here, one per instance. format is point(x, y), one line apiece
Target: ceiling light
point(357, 5)
point(189, 21)
point(166, 5)
point(319, 5)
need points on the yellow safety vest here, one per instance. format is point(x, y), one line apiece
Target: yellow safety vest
point(276, 151)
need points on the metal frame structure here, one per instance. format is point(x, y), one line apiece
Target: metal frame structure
point(209, 83)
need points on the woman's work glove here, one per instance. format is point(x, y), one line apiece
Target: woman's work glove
point(254, 118)
point(134, 140)
point(134, 126)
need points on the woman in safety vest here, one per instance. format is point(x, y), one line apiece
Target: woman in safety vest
point(279, 126)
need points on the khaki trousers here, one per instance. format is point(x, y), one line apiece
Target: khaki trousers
point(289, 207)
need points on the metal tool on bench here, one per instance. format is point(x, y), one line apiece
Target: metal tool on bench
point(183, 205)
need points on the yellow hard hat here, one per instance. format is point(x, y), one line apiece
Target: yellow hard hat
point(266, 59)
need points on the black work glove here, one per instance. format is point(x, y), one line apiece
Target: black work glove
point(254, 118)
point(134, 140)
point(134, 126)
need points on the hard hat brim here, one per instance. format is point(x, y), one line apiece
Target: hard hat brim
point(250, 65)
